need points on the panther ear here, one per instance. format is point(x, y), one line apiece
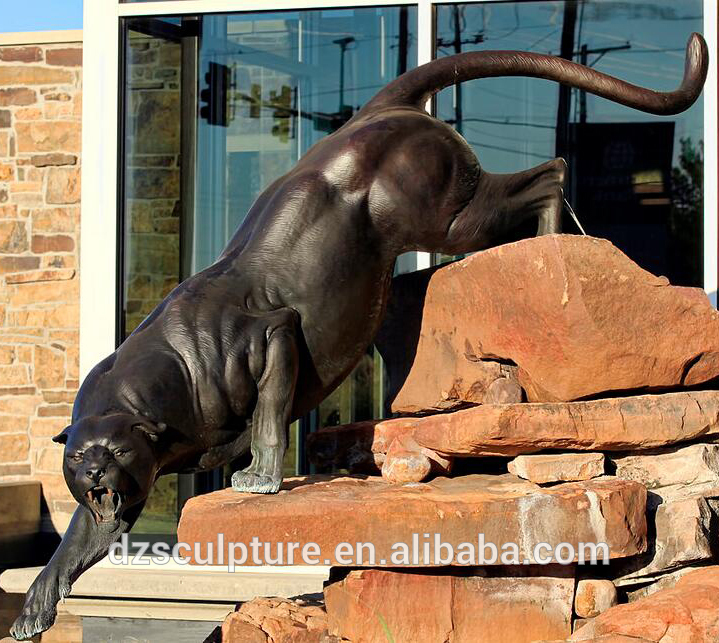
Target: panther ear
point(61, 438)
point(151, 429)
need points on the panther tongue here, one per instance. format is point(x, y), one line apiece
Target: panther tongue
point(107, 506)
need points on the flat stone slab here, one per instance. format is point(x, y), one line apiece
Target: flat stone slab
point(684, 533)
point(615, 424)
point(368, 603)
point(328, 511)
point(691, 465)
point(558, 467)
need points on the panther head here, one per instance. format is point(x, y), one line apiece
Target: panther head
point(110, 463)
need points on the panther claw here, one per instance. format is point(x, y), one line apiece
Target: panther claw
point(25, 627)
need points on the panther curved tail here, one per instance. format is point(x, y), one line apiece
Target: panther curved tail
point(415, 87)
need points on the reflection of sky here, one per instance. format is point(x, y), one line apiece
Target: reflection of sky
point(657, 32)
point(40, 15)
point(292, 58)
point(302, 50)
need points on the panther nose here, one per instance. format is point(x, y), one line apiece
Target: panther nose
point(95, 473)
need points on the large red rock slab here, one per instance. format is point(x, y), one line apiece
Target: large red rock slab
point(688, 612)
point(328, 512)
point(615, 424)
point(438, 376)
point(379, 605)
point(575, 314)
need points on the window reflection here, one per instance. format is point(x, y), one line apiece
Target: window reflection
point(284, 80)
point(216, 107)
point(634, 178)
point(152, 208)
point(271, 85)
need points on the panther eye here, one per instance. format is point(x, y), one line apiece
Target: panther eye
point(118, 453)
point(77, 456)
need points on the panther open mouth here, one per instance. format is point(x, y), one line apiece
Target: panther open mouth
point(104, 503)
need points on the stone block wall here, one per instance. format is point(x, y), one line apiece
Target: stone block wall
point(40, 146)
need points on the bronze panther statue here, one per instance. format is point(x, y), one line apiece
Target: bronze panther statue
point(259, 338)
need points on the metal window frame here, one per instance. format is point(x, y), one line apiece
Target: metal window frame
point(99, 258)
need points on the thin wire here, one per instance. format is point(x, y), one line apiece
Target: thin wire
point(509, 150)
point(542, 39)
point(574, 216)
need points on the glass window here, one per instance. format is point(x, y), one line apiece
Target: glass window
point(151, 258)
point(216, 107)
point(634, 178)
point(286, 80)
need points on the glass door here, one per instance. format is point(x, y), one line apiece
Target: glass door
point(151, 185)
point(215, 108)
point(271, 85)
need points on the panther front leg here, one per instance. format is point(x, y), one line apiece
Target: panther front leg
point(271, 417)
point(83, 544)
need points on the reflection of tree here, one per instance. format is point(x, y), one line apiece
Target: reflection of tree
point(686, 217)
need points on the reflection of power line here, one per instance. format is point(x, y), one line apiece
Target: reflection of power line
point(254, 49)
point(516, 24)
point(510, 150)
point(584, 52)
point(450, 121)
point(635, 42)
point(655, 51)
point(640, 67)
point(512, 97)
point(324, 121)
point(504, 137)
point(542, 39)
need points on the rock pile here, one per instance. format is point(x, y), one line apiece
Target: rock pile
point(687, 612)
point(550, 393)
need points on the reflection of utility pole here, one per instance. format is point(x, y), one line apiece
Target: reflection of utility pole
point(456, 43)
point(583, 58)
point(457, 86)
point(566, 50)
point(343, 43)
point(403, 40)
point(583, 53)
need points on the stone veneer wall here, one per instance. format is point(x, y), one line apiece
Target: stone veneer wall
point(40, 145)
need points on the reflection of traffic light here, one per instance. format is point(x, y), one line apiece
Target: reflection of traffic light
point(215, 109)
point(255, 99)
point(281, 113)
point(329, 123)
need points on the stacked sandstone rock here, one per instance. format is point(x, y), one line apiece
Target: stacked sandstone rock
point(548, 391)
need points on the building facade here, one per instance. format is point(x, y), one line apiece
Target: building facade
point(192, 107)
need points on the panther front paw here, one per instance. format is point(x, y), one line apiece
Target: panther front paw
point(40, 609)
point(250, 482)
